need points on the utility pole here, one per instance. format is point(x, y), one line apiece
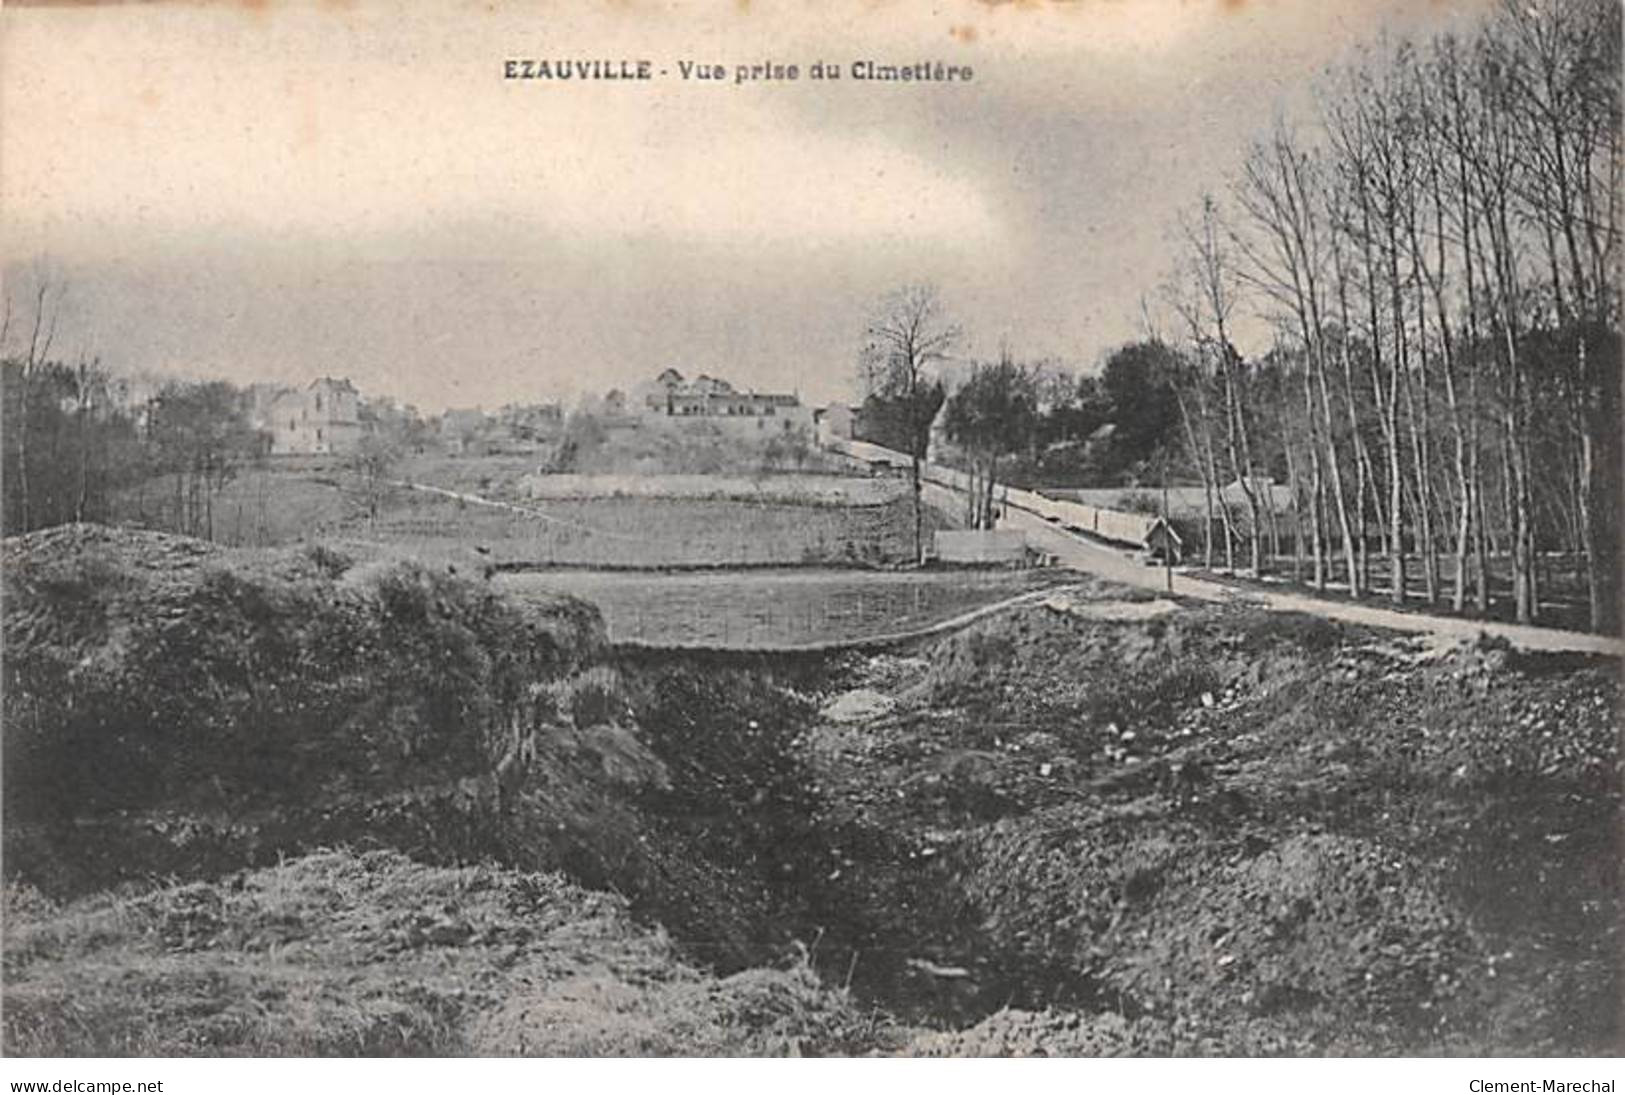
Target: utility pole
point(1167, 526)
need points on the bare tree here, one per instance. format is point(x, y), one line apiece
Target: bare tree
point(1281, 191)
point(47, 310)
point(908, 338)
point(1213, 278)
point(373, 466)
point(1561, 62)
point(1367, 138)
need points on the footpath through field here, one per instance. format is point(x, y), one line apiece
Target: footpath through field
point(523, 511)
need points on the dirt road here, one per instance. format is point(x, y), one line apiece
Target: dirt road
point(1080, 554)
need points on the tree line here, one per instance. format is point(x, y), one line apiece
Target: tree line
point(77, 449)
point(81, 442)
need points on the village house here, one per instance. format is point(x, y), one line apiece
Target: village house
point(323, 417)
point(466, 430)
point(835, 422)
point(531, 422)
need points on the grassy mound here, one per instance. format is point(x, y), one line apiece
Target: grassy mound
point(174, 707)
point(372, 954)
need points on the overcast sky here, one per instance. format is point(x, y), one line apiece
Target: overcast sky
point(270, 191)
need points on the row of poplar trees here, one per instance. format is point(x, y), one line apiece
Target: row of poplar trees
point(1436, 247)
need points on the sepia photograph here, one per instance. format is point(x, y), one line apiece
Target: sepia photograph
point(875, 529)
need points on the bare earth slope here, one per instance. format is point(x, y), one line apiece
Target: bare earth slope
point(1236, 831)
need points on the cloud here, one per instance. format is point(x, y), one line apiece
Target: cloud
point(308, 129)
point(767, 188)
point(296, 190)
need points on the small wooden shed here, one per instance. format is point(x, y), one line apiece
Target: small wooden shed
point(1163, 542)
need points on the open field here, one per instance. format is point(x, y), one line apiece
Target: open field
point(690, 520)
point(777, 608)
point(475, 474)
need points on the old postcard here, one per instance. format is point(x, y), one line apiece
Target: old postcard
point(877, 528)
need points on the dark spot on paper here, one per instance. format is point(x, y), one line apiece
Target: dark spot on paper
point(963, 33)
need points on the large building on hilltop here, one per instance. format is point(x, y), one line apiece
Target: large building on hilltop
point(670, 399)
